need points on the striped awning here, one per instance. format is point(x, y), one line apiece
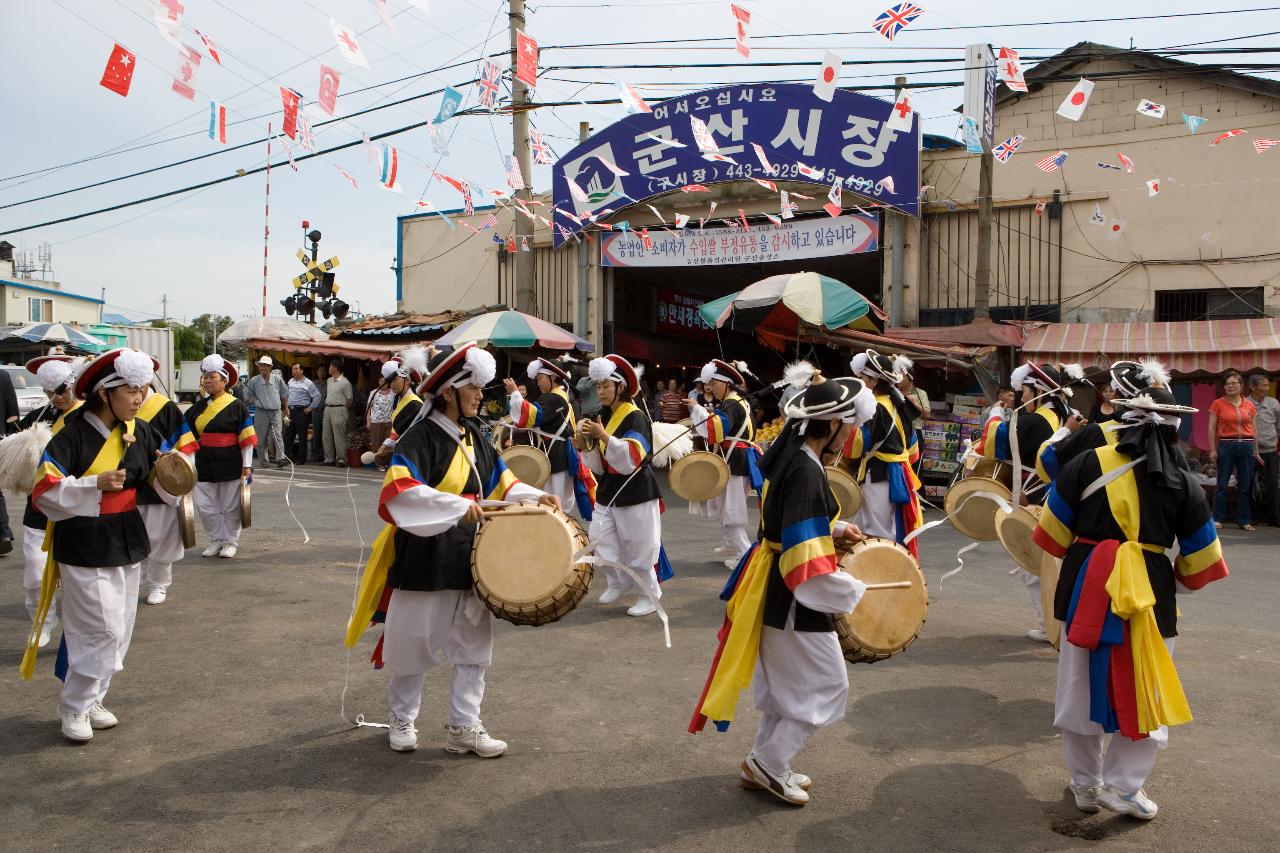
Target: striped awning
point(1211, 346)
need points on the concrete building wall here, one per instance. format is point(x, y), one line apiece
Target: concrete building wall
point(1211, 226)
point(15, 305)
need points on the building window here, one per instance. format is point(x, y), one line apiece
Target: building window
point(1219, 303)
point(39, 310)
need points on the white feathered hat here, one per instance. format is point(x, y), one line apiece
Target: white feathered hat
point(617, 369)
point(115, 368)
point(550, 368)
point(217, 364)
point(724, 371)
point(466, 365)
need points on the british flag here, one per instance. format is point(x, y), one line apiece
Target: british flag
point(542, 153)
point(1052, 163)
point(1008, 148)
point(891, 21)
point(490, 78)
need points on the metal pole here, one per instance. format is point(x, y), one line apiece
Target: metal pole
point(525, 300)
point(982, 270)
point(584, 262)
point(266, 228)
point(897, 273)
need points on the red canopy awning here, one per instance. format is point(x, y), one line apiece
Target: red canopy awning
point(345, 349)
point(976, 334)
point(1211, 346)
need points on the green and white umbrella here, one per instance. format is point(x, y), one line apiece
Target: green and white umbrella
point(514, 330)
point(780, 303)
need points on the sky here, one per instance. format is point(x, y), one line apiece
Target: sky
point(203, 250)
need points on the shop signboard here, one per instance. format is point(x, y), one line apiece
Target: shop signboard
point(794, 239)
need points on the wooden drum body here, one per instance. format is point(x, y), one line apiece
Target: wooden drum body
point(1015, 530)
point(522, 564)
point(699, 476)
point(971, 510)
point(846, 490)
point(885, 621)
point(528, 463)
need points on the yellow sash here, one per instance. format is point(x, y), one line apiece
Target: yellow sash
point(912, 480)
point(151, 406)
point(108, 459)
point(1161, 700)
point(216, 405)
point(563, 394)
point(405, 399)
point(620, 413)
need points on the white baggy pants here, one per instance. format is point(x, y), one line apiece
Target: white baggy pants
point(98, 610)
point(219, 507)
point(164, 529)
point(631, 536)
point(730, 509)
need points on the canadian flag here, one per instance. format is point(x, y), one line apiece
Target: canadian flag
point(1073, 105)
point(743, 18)
point(902, 113)
point(825, 86)
point(1009, 70)
point(184, 82)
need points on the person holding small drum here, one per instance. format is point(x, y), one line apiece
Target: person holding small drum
point(222, 425)
point(420, 570)
point(779, 631)
point(171, 434)
point(403, 373)
point(728, 427)
point(627, 523)
point(552, 419)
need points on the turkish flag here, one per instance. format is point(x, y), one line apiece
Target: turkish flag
point(119, 72)
point(290, 99)
point(526, 60)
point(328, 97)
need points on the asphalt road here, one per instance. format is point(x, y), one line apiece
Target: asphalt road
point(234, 734)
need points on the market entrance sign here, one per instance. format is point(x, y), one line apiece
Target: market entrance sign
point(792, 240)
point(802, 137)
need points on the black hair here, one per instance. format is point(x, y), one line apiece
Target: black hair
point(1257, 379)
point(1004, 388)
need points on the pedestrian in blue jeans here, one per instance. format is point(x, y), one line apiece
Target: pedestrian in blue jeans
point(1231, 431)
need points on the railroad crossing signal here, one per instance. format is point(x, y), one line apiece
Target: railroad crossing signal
point(315, 269)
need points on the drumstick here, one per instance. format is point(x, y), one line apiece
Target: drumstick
point(893, 585)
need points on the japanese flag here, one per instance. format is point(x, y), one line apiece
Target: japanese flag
point(1073, 106)
point(825, 86)
point(901, 114)
point(1153, 187)
point(1115, 228)
point(347, 44)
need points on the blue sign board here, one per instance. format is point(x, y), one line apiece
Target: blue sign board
point(803, 137)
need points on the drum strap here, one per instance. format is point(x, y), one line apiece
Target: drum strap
point(1110, 477)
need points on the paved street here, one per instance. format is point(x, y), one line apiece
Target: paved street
point(233, 737)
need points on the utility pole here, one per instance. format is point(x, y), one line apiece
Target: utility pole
point(982, 270)
point(164, 308)
point(520, 138)
point(584, 267)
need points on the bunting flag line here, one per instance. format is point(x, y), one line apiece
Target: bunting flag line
point(327, 100)
point(370, 152)
point(1115, 228)
point(631, 99)
point(1009, 70)
point(901, 115)
point(776, 220)
point(769, 185)
point(489, 221)
point(972, 139)
point(524, 244)
point(1008, 148)
point(306, 139)
point(578, 193)
point(1052, 162)
point(787, 206)
point(742, 217)
point(669, 143)
point(1193, 122)
point(218, 122)
point(706, 142)
point(288, 151)
point(657, 213)
point(526, 60)
point(694, 188)
point(801, 195)
point(886, 184)
point(810, 172)
point(347, 44)
point(289, 98)
point(824, 87)
point(1230, 134)
point(742, 20)
point(1150, 108)
point(542, 153)
point(1153, 187)
point(892, 20)
point(118, 75)
point(682, 219)
point(184, 81)
point(1111, 166)
point(210, 47)
point(833, 205)
point(390, 161)
point(490, 84)
point(515, 179)
point(645, 239)
point(168, 17)
point(1072, 107)
point(347, 175)
point(450, 101)
point(769, 168)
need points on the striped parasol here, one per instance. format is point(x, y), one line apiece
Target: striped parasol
point(512, 329)
point(781, 302)
point(57, 333)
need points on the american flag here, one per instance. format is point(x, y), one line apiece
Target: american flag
point(1008, 148)
point(1262, 144)
point(541, 150)
point(891, 21)
point(1230, 134)
point(1052, 163)
point(489, 221)
point(490, 77)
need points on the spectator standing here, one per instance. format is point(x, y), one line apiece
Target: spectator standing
point(317, 417)
point(377, 416)
point(1004, 399)
point(9, 413)
point(659, 388)
point(917, 400)
point(303, 400)
point(1103, 410)
point(1265, 431)
point(671, 405)
point(588, 399)
point(1233, 448)
point(338, 400)
point(268, 395)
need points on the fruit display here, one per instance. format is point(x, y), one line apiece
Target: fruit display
point(767, 433)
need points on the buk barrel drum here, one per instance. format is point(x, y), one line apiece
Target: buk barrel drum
point(846, 489)
point(522, 564)
point(885, 621)
point(968, 503)
point(1049, 568)
point(187, 520)
point(1015, 530)
point(699, 476)
point(246, 505)
point(528, 463)
point(175, 473)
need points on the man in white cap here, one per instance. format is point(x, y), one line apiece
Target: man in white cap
point(268, 395)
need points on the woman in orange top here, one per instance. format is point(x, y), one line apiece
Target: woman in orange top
point(1233, 447)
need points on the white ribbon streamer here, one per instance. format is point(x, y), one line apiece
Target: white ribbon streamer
point(585, 555)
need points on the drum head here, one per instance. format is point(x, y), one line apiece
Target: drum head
point(700, 476)
point(246, 505)
point(992, 469)
point(528, 463)
point(522, 556)
point(972, 514)
point(175, 474)
point(1015, 530)
point(1049, 567)
point(887, 620)
point(187, 520)
point(846, 490)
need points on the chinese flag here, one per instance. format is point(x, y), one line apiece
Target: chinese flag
point(526, 60)
point(119, 72)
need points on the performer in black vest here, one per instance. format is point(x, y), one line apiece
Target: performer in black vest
point(221, 423)
point(553, 420)
point(404, 373)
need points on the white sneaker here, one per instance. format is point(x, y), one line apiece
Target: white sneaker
point(46, 630)
point(1038, 635)
point(404, 737)
point(643, 607)
point(610, 595)
point(784, 789)
point(76, 727)
point(462, 739)
point(227, 551)
point(800, 780)
point(101, 718)
point(1086, 797)
point(157, 595)
point(1136, 804)
point(213, 549)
